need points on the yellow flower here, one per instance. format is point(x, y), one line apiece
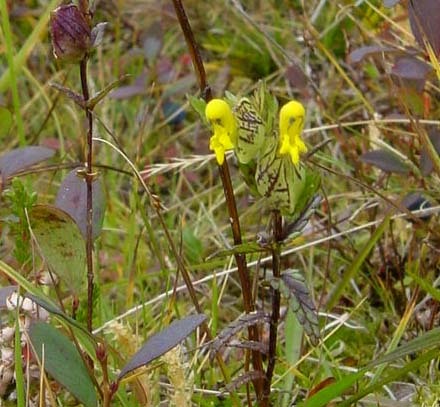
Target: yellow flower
point(219, 114)
point(291, 125)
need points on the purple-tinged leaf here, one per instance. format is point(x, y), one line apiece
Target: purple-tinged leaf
point(415, 202)
point(426, 164)
point(97, 34)
point(361, 53)
point(236, 326)
point(296, 77)
point(72, 198)
point(390, 3)
point(72, 95)
point(243, 379)
point(129, 91)
point(5, 292)
point(385, 160)
point(20, 159)
point(153, 42)
point(250, 345)
point(411, 72)
point(162, 342)
point(424, 17)
point(63, 362)
point(301, 303)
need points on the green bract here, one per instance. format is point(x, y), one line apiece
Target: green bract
point(268, 150)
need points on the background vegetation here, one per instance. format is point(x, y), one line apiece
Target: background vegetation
point(367, 73)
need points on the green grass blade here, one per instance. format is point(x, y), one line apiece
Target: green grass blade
point(357, 263)
point(19, 377)
point(395, 374)
point(22, 55)
point(13, 71)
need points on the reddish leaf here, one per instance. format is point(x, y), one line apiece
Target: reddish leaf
point(21, 158)
point(72, 198)
point(162, 342)
point(415, 202)
point(359, 54)
point(424, 17)
point(426, 165)
point(153, 41)
point(296, 76)
point(385, 160)
point(411, 72)
point(129, 91)
point(390, 3)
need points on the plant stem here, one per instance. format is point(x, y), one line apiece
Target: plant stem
point(245, 282)
point(89, 181)
point(277, 228)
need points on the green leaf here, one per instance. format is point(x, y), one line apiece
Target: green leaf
point(61, 244)
point(199, 105)
point(251, 131)
point(63, 362)
point(422, 342)
point(333, 391)
point(391, 376)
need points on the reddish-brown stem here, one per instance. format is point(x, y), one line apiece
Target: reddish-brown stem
point(246, 286)
point(277, 228)
point(89, 204)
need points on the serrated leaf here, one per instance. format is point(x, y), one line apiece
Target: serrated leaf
point(5, 121)
point(72, 198)
point(251, 131)
point(236, 326)
point(162, 342)
point(61, 244)
point(301, 303)
point(20, 159)
point(243, 379)
point(385, 160)
point(63, 362)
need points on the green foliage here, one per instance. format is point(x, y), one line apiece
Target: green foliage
point(20, 199)
point(63, 362)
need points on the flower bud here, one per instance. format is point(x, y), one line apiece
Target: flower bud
point(70, 32)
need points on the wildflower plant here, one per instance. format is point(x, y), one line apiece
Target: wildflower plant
point(268, 153)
